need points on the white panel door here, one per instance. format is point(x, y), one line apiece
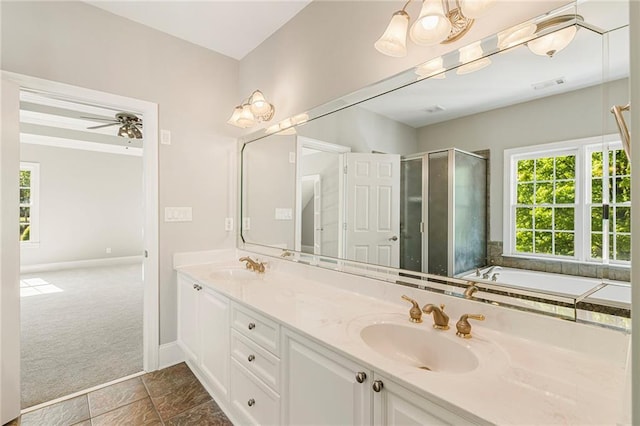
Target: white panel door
point(214, 339)
point(317, 215)
point(373, 208)
point(188, 326)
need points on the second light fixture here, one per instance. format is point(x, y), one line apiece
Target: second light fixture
point(252, 111)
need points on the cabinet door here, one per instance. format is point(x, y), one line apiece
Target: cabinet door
point(214, 338)
point(321, 388)
point(397, 406)
point(188, 333)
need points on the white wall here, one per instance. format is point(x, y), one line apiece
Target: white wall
point(573, 115)
point(88, 201)
point(78, 44)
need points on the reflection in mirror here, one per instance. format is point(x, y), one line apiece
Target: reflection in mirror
point(357, 184)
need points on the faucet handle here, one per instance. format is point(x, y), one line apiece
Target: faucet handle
point(415, 313)
point(463, 326)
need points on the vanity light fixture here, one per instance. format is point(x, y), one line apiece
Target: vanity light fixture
point(471, 59)
point(438, 22)
point(433, 68)
point(287, 126)
point(253, 110)
point(550, 44)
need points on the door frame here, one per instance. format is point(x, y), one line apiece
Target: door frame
point(149, 111)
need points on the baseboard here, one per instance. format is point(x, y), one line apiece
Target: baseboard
point(77, 264)
point(170, 354)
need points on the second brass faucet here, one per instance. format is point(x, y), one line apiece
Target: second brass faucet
point(440, 319)
point(253, 264)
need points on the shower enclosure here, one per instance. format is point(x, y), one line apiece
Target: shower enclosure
point(443, 212)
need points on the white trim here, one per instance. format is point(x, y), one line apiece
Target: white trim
point(77, 264)
point(149, 112)
point(75, 144)
point(170, 354)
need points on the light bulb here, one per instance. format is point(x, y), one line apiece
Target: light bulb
point(432, 26)
point(471, 58)
point(393, 41)
point(259, 105)
point(551, 44)
point(432, 68)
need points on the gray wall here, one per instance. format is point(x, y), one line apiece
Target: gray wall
point(88, 201)
point(196, 89)
point(573, 115)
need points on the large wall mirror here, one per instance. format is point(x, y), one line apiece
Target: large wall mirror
point(413, 174)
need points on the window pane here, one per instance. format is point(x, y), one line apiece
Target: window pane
point(543, 242)
point(611, 254)
point(566, 167)
point(544, 193)
point(623, 247)
point(25, 196)
point(596, 164)
point(524, 241)
point(524, 218)
point(596, 190)
point(24, 232)
point(544, 218)
point(525, 193)
point(611, 162)
point(623, 219)
point(25, 178)
point(525, 170)
point(565, 192)
point(564, 244)
point(622, 163)
point(596, 245)
point(544, 168)
point(25, 213)
point(564, 219)
point(596, 218)
point(623, 189)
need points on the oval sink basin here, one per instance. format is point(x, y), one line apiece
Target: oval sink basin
point(420, 348)
point(240, 274)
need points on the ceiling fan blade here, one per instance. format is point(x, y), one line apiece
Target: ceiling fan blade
point(97, 118)
point(101, 126)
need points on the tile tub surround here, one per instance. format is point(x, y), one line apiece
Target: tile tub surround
point(533, 375)
point(172, 396)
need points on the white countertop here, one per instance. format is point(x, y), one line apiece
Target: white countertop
point(517, 381)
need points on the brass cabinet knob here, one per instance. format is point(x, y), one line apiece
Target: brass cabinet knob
point(377, 385)
point(361, 376)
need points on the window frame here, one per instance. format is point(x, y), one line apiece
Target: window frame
point(582, 149)
point(34, 203)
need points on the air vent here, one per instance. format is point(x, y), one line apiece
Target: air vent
point(549, 83)
point(434, 108)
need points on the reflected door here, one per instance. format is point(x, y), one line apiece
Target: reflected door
point(372, 225)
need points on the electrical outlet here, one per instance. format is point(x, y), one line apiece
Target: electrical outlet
point(228, 224)
point(108, 250)
point(165, 137)
point(246, 223)
point(292, 157)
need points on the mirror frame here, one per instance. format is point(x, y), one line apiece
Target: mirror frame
point(546, 303)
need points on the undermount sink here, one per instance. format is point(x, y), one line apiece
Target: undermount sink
point(425, 349)
point(239, 274)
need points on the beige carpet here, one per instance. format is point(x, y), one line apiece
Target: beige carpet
point(79, 328)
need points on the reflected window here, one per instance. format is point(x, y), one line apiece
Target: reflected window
point(29, 198)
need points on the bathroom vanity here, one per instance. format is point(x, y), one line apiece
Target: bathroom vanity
point(298, 345)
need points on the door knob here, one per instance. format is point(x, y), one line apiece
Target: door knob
point(251, 326)
point(251, 402)
point(377, 385)
point(251, 357)
point(394, 238)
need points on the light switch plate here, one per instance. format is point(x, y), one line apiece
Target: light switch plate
point(165, 137)
point(292, 157)
point(246, 223)
point(228, 224)
point(177, 214)
point(284, 214)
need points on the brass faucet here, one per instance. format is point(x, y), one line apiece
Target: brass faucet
point(252, 264)
point(463, 326)
point(468, 293)
point(415, 314)
point(286, 253)
point(440, 319)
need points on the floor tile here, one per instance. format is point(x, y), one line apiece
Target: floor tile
point(85, 423)
point(168, 380)
point(137, 413)
point(117, 395)
point(183, 398)
point(65, 413)
point(207, 414)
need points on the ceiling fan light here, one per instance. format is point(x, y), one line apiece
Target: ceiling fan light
point(432, 26)
point(137, 134)
point(393, 41)
point(551, 44)
point(432, 68)
point(471, 59)
point(475, 8)
point(122, 132)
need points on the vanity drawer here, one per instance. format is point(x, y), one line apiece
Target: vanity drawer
point(261, 330)
point(256, 359)
point(252, 398)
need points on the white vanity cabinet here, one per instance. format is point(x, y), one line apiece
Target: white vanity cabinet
point(321, 387)
point(203, 332)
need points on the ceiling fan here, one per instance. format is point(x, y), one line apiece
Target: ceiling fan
point(130, 124)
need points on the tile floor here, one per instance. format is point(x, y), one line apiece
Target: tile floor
point(171, 397)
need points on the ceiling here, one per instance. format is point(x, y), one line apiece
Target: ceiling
point(233, 28)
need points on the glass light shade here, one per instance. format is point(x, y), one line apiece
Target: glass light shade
point(432, 68)
point(474, 8)
point(233, 120)
point(122, 132)
point(393, 41)
point(471, 58)
point(432, 26)
point(551, 44)
point(259, 105)
point(300, 118)
point(246, 118)
point(516, 35)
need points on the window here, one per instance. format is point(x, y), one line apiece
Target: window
point(29, 189)
point(569, 201)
